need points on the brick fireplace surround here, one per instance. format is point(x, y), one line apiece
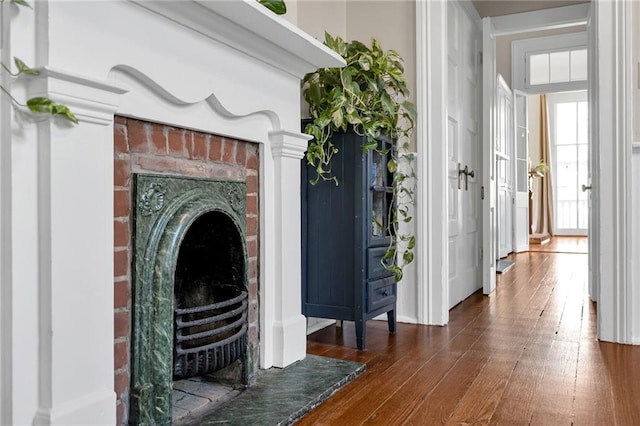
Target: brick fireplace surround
point(146, 147)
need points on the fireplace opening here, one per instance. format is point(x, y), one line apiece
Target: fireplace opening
point(210, 298)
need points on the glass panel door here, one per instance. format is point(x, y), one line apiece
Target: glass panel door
point(568, 115)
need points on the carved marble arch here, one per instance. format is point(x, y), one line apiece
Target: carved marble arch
point(166, 207)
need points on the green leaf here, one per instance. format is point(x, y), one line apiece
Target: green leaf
point(412, 243)
point(392, 165)
point(276, 6)
point(21, 3)
point(407, 257)
point(23, 68)
point(42, 105)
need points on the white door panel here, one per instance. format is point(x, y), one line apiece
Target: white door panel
point(504, 154)
point(488, 157)
point(462, 144)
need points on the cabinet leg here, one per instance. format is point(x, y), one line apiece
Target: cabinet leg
point(360, 333)
point(391, 319)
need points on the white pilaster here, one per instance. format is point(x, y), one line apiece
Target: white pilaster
point(431, 237)
point(74, 252)
point(618, 290)
point(289, 325)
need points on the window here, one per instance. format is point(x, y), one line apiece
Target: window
point(556, 67)
point(550, 64)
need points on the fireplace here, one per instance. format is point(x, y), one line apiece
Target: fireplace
point(210, 298)
point(221, 80)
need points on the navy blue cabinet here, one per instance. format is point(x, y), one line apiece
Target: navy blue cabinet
point(344, 237)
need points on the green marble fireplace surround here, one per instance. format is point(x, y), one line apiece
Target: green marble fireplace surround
point(165, 209)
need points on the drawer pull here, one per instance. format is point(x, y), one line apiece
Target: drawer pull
point(385, 292)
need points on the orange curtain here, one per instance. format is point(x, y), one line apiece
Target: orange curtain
point(545, 207)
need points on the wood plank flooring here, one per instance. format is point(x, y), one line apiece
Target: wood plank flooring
point(525, 355)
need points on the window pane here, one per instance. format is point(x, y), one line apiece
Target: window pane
point(566, 124)
point(579, 65)
point(559, 66)
point(583, 122)
point(539, 69)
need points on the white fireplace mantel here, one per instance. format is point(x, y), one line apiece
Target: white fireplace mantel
point(226, 67)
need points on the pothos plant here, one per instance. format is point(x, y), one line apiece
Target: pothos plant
point(36, 105)
point(368, 95)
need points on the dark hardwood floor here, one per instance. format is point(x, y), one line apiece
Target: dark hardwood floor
point(525, 355)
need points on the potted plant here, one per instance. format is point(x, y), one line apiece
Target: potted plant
point(367, 96)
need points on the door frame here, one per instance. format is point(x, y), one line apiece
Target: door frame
point(617, 321)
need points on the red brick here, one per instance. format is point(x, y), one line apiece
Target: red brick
point(252, 248)
point(253, 313)
point(229, 151)
point(120, 234)
point(253, 289)
point(158, 140)
point(121, 382)
point(120, 143)
point(252, 184)
point(188, 143)
point(252, 204)
point(215, 148)
point(241, 153)
point(118, 119)
point(199, 147)
point(176, 142)
point(156, 164)
point(121, 294)
point(120, 413)
point(252, 225)
point(121, 172)
point(253, 268)
point(252, 162)
point(137, 136)
point(121, 203)
point(120, 263)
point(120, 355)
point(121, 324)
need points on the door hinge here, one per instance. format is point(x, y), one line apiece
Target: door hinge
point(482, 192)
point(481, 253)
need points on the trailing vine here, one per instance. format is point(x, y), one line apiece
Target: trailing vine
point(368, 95)
point(36, 105)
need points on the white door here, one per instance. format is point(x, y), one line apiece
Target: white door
point(594, 269)
point(569, 128)
point(463, 139)
point(504, 167)
point(488, 189)
point(521, 209)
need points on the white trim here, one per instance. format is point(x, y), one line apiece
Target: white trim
point(6, 293)
point(278, 43)
point(431, 235)
point(616, 322)
point(521, 49)
point(557, 17)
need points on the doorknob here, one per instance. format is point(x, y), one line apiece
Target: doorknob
point(472, 173)
point(462, 171)
point(585, 187)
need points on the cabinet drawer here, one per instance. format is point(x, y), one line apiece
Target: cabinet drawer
point(374, 264)
point(381, 293)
